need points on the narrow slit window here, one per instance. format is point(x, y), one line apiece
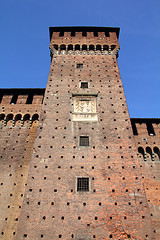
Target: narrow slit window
point(84, 141)
point(84, 84)
point(83, 184)
point(79, 65)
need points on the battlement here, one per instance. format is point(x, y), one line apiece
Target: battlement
point(21, 96)
point(84, 40)
point(149, 126)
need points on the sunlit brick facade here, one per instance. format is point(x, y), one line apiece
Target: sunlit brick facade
point(73, 163)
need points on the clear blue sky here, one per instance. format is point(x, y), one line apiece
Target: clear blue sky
point(24, 42)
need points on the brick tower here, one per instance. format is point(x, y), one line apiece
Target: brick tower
point(84, 180)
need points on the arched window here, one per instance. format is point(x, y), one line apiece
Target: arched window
point(17, 120)
point(35, 118)
point(91, 47)
point(55, 46)
point(63, 47)
point(26, 119)
point(113, 47)
point(84, 47)
point(156, 154)
point(105, 47)
point(98, 47)
point(9, 119)
point(77, 47)
point(141, 153)
point(70, 47)
point(2, 116)
point(148, 153)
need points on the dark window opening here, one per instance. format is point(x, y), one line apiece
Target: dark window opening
point(1, 96)
point(105, 47)
point(84, 141)
point(149, 151)
point(107, 34)
point(14, 99)
point(35, 117)
point(156, 150)
point(95, 34)
point(79, 65)
point(9, 117)
point(134, 128)
point(26, 117)
point(73, 34)
point(84, 34)
point(29, 99)
point(84, 84)
point(91, 47)
point(98, 47)
point(84, 47)
point(18, 117)
point(61, 34)
point(141, 151)
point(63, 47)
point(150, 129)
point(77, 47)
point(70, 47)
point(2, 116)
point(113, 47)
point(56, 47)
point(83, 184)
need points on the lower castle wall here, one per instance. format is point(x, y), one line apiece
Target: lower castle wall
point(16, 146)
point(150, 166)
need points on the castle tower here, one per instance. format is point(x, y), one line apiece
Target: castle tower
point(84, 180)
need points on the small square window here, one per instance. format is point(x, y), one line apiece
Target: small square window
point(84, 141)
point(84, 84)
point(79, 65)
point(83, 184)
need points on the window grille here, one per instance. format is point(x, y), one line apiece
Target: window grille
point(83, 184)
point(84, 141)
point(84, 84)
point(79, 65)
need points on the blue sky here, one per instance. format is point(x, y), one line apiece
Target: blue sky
point(24, 52)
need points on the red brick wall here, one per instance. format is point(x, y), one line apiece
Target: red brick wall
point(116, 205)
point(150, 166)
point(16, 147)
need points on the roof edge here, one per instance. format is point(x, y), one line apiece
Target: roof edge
point(83, 28)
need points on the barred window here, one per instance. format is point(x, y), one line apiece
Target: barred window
point(84, 141)
point(83, 184)
point(79, 65)
point(84, 84)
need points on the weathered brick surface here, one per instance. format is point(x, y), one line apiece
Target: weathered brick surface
point(16, 147)
point(150, 166)
point(116, 205)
